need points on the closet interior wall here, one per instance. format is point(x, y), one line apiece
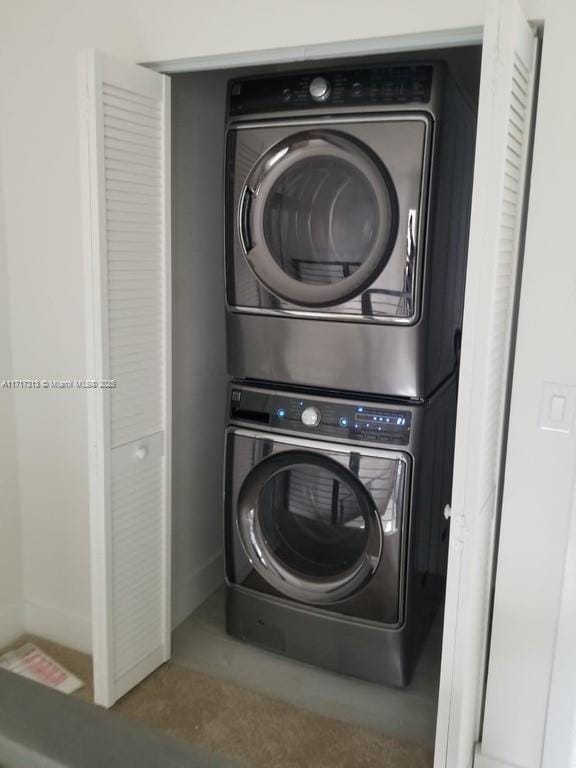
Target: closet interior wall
point(198, 337)
point(11, 572)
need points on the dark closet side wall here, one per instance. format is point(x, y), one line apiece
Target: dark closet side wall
point(199, 342)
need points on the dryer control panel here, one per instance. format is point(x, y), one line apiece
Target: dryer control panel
point(369, 422)
point(362, 86)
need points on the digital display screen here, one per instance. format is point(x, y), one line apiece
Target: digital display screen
point(368, 417)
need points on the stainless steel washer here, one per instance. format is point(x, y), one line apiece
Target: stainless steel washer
point(336, 542)
point(347, 202)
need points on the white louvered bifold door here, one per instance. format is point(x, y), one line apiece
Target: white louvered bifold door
point(125, 123)
point(503, 138)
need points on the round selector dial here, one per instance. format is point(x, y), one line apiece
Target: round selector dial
point(319, 89)
point(311, 416)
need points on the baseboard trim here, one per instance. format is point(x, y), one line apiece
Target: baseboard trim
point(485, 761)
point(190, 593)
point(11, 623)
point(76, 631)
point(59, 626)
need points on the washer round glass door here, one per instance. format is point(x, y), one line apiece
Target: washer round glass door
point(308, 526)
point(318, 218)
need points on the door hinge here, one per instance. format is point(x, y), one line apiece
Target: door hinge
point(457, 527)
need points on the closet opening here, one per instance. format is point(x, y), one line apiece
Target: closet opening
point(295, 527)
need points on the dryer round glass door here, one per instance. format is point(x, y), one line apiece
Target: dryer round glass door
point(318, 218)
point(309, 526)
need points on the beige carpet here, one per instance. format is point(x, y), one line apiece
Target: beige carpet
point(256, 730)
point(80, 664)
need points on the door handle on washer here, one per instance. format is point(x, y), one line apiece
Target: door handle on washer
point(244, 206)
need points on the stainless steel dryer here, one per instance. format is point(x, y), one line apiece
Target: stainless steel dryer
point(336, 542)
point(347, 204)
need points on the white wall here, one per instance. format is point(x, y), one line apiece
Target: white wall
point(39, 44)
point(11, 605)
point(541, 465)
point(560, 735)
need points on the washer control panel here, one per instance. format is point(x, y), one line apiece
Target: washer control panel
point(369, 422)
point(361, 86)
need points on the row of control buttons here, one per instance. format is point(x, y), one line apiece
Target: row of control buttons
point(380, 437)
point(320, 90)
point(358, 422)
point(311, 417)
point(378, 85)
point(364, 424)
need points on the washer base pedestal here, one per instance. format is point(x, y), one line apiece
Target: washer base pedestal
point(374, 653)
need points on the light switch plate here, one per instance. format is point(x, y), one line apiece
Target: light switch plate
point(557, 407)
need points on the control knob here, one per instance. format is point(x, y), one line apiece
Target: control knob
point(319, 89)
point(311, 416)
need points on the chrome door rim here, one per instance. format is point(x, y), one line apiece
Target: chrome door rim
point(269, 168)
point(280, 576)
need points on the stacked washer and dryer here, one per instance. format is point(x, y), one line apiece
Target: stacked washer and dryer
point(346, 214)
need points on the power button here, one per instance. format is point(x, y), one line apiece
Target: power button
point(311, 416)
point(319, 89)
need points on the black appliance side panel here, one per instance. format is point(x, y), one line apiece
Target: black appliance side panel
point(449, 222)
point(429, 533)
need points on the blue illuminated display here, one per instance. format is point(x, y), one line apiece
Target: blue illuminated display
point(369, 417)
point(377, 424)
point(280, 413)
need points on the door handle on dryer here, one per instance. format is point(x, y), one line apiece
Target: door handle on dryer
point(406, 303)
point(411, 237)
point(244, 208)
